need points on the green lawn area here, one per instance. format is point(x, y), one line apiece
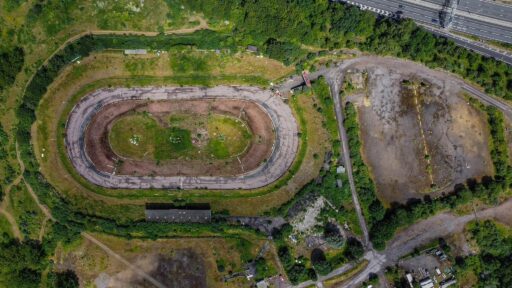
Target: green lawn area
point(140, 136)
point(228, 136)
point(133, 136)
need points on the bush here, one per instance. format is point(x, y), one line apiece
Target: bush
point(354, 249)
point(320, 263)
point(11, 62)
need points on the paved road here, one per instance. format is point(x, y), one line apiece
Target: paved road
point(335, 80)
point(489, 21)
point(422, 232)
point(482, 7)
point(283, 152)
point(473, 45)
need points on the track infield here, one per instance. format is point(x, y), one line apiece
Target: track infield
point(265, 171)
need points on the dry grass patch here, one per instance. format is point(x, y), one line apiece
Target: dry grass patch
point(109, 69)
point(203, 255)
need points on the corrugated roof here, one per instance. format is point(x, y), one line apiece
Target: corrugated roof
point(178, 215)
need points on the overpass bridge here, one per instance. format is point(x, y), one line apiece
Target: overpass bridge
point(483, 19)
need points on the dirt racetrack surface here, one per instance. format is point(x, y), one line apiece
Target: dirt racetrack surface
point(282, 153)
point(104, 158)
point(420, 136)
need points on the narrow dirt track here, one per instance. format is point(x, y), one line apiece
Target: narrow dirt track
point(14, 226)
point(3, 206)
point(120, 258)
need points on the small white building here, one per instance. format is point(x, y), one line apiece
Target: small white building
point(409, 279)
point(438, 271)
point(448, 283)
point(340, 170)
point(426, 283)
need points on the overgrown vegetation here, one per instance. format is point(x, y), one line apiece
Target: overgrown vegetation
point(11, 62)
point(296, 268)
point(493, 264)
point(498, 145)
point(283, 26)
point(27, 269)
point(286, 26)
point(373, 209)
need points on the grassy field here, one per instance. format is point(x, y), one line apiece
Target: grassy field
point(218, 257)
point(228, 136)
point(108, 70)
point(139, 136)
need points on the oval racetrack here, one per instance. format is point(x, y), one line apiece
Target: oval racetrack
point(282, 156)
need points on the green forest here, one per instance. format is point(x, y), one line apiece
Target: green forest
point(332, 25)
point(492, 265)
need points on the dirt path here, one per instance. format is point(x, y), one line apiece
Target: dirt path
point(15, 230)
point(123, 260)
point(42, 230)
point(423, 232)
point(203, 25)
point(43, 208)
point(3, 206)
point(335, 81)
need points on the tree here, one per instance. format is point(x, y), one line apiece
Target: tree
point(21, 263)
point(11, 62)
point(354, 249)
point(66, 279)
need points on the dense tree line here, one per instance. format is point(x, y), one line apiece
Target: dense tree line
point(498, 145)
point(11, 62)
point(493, 264)
point(331, 25)
point(383, 223)
point(372, 207)
point(21, 264)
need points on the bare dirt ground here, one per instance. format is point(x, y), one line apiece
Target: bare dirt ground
point(418, 136)
point(104, 159)
point(107, 261)
point(184, 269)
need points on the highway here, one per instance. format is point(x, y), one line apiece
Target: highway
point(483, 19)
point(473, 45)
point(484, 8)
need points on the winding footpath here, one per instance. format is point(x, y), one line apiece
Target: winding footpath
point(3, 206)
